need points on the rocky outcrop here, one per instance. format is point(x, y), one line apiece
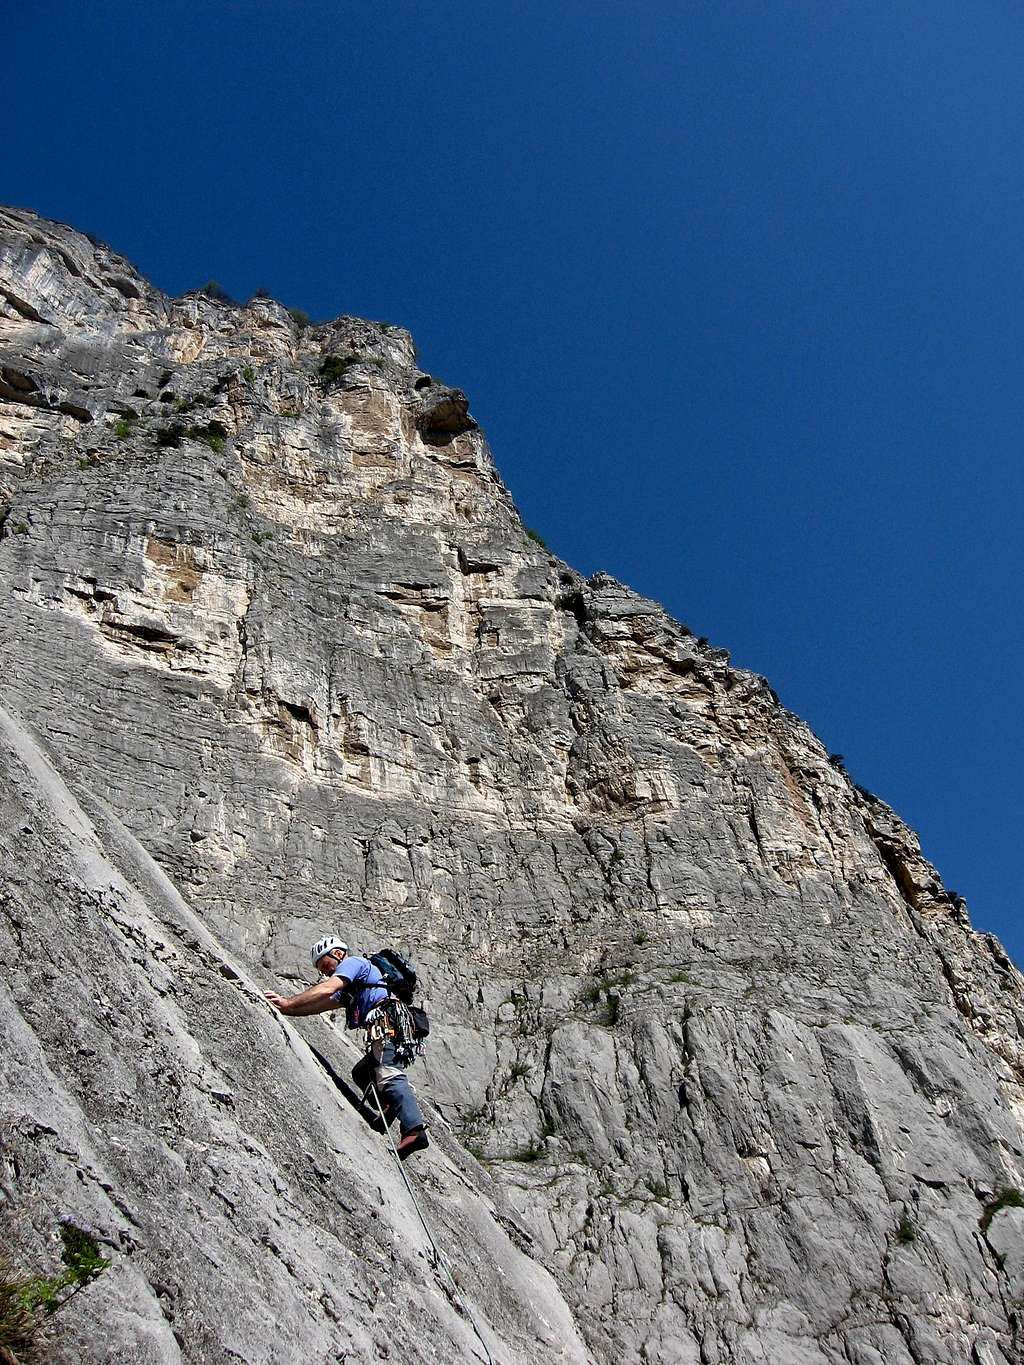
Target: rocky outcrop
point(719, 1071)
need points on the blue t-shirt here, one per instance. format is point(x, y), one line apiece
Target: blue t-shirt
point(362, 973)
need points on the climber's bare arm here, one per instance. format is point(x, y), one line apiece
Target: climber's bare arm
point(313, 1000)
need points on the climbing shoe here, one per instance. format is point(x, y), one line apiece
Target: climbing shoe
point(412, 1142)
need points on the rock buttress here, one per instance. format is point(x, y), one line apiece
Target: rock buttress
point(735, 1059)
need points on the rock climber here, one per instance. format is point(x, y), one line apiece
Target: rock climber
point(355, 983)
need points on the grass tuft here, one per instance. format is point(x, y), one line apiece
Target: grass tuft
point(1009, 1198)
point(529, 1154)
point(25, 1300)
point(906, 1231)
point(19, 1324)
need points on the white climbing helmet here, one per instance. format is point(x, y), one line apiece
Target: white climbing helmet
point(326, 945)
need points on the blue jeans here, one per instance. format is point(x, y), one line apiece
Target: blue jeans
point(400, 1103)
point(396, 1094)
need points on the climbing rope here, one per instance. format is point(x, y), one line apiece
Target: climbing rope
point(439, 1258)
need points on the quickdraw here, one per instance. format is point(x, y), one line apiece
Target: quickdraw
point(391, 1022)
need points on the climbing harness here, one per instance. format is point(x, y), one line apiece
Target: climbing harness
point(439, 1259)
point(391, 1022)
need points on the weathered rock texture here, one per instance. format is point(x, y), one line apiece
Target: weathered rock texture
point(720, 1071)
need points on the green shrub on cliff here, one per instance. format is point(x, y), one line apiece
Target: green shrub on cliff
point(334, 366)
point(212, 290)
point(19, 1324)
point(26, 1299)
point(1010, 1198)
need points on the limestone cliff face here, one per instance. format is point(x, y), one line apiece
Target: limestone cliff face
point(720, 1072)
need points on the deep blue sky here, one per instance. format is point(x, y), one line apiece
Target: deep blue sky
point(733, 285)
